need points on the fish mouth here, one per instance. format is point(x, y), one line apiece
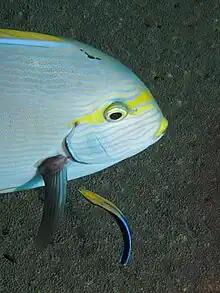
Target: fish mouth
point(162, 128)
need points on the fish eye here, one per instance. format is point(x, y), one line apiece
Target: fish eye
point(116, 112)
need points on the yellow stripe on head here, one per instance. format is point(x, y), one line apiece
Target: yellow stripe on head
point(134, 107)
point(6, 33)
point(143, 98)
point(100, 201)
point(90, 195)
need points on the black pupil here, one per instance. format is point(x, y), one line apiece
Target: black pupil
point(115, 116)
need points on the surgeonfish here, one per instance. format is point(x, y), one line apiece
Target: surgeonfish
point(67, 110)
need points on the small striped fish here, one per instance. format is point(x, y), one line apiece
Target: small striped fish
point(108, 206)
point(62, 99)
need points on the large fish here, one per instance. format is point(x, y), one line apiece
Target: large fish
point(67, 110)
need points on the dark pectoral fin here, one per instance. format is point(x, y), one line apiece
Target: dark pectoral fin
point(120, 219)
point(54, 173)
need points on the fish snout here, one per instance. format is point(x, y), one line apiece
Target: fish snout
point(162, 128)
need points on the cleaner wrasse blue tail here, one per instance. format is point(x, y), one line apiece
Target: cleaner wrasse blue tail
point(54, 173)
point(108, 206)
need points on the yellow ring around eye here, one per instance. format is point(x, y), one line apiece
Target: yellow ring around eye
point(116, 112)
point(126, 108)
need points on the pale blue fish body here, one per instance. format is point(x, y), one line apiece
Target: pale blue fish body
point(44, 86)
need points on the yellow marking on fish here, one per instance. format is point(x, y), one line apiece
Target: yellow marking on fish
point(162, 128)
point(97, 116)
point(6, 33)
point(100, 201)
point(90, 195)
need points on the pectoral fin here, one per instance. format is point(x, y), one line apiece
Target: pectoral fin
point(54, 173)
point(119, 217)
